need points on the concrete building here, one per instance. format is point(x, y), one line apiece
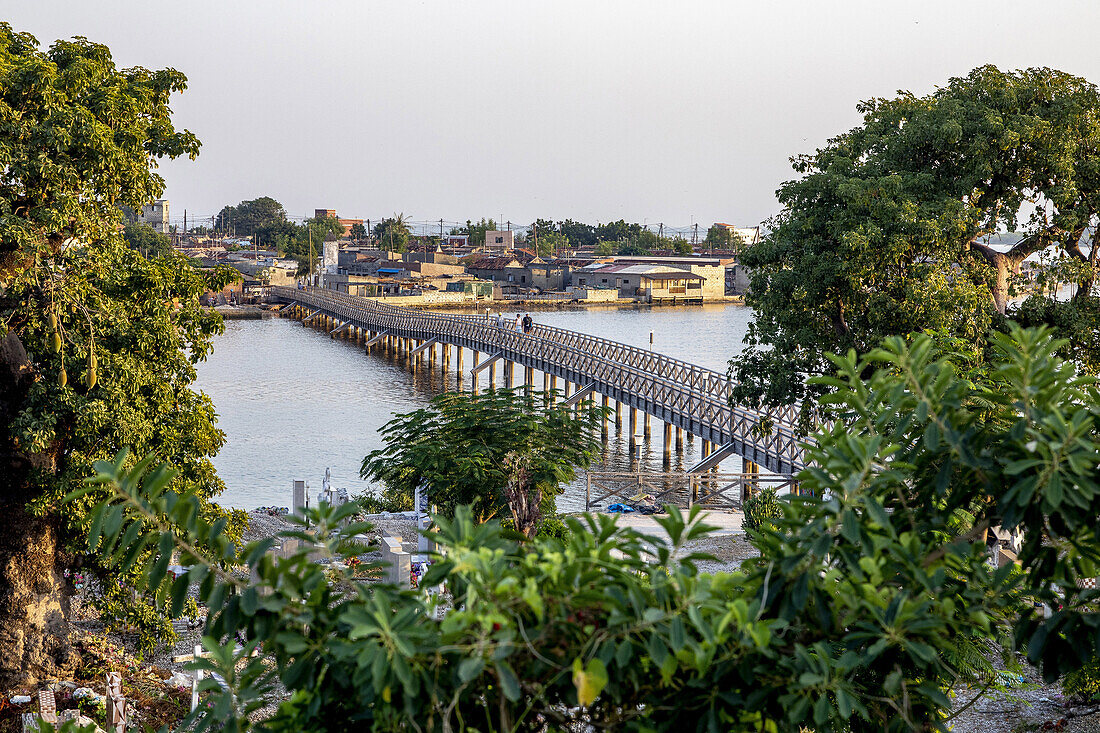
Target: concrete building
point(504, 270)
point(497, 241)
point(747, 235)
point(155, 215)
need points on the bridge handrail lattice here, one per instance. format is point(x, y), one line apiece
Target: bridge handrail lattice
point(706, 401)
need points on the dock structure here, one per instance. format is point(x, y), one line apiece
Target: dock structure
point(684, 396)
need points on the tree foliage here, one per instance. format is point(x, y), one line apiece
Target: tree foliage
point(885, 231)
point(872, 598)
point(459, 446)
point(392, 234)
point(146, 240)
point(97, 343)
point(247, 217)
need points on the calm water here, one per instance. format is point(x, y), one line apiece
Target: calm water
point(292, 401)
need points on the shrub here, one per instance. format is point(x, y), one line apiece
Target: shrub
point(762, 509)
point(1083, 682)
point(851, 619)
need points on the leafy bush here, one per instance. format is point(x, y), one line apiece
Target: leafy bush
point(391, 499)
point(762, 509)
point(851, 619)
point(1083, 682)
point(458, 447)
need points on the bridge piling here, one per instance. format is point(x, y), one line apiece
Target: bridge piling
point(509, 375)
point(553, 387)
point(679, 438)
point(668, 445)
point(493, 376)
point(604, 418)
point(568, 388)
point(633, 431)
point(618, 417)
point(528, 380)
point(646, 426)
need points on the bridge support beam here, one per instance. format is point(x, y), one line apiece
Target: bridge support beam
point(668, 445)
point(568, 391)
point(679, 439)
point(647, 425)
point(528, 380)
point(458, 361)
point(422, 347)
point(618, 417)
point(579, 395)
point(493, 375)
point(553, 388)
point(712, 456)
point(633, 432)
point(509, 373)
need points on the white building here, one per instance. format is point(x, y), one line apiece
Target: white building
point(155, 215)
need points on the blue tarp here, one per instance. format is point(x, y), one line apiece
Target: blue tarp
point(388, 270)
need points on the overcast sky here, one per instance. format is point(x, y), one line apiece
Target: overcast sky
point(674, 112)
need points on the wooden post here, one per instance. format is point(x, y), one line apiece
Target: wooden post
point(668, 445)
point(618, 417)
point(509, 373)
point(646, 424)
point(568, 389)
point(633, 431)
point(553, 386)
point(528, 380)
point(458, 361)
point(604, 419)
point(679, 439)
point(493, 375)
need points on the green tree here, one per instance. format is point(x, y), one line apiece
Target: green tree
point(884, 232)
point(681, 246)
point(459, 446)
point(605, 248)
point(873, 597)
point(97, 343)
point(632, 249)
point(393, 234)
point(577, 233)
point(358, 232)
point(146, 240)
point(248, 216)
point(476, 231)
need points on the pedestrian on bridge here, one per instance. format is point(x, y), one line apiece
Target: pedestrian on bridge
point(500, 320)
point(519, 322)
point(528, 324)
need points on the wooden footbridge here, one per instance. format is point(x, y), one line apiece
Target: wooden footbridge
point(684, 396)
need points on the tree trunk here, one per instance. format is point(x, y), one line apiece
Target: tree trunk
point(34, 628)
point(34, 631)
point(1004, 263)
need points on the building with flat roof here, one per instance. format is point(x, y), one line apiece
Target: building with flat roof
point(155, 215)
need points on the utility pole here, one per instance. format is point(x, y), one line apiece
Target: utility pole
point(535, 228)
point(695, 235)
point(661, 230)
point(185, 222)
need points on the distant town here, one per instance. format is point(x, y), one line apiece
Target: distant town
point(544, 261)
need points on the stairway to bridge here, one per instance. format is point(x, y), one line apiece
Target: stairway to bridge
point(683, 395)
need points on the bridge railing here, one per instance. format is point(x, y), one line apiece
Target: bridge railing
point(708, 407)
point(692, 375)
point(723, 491)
